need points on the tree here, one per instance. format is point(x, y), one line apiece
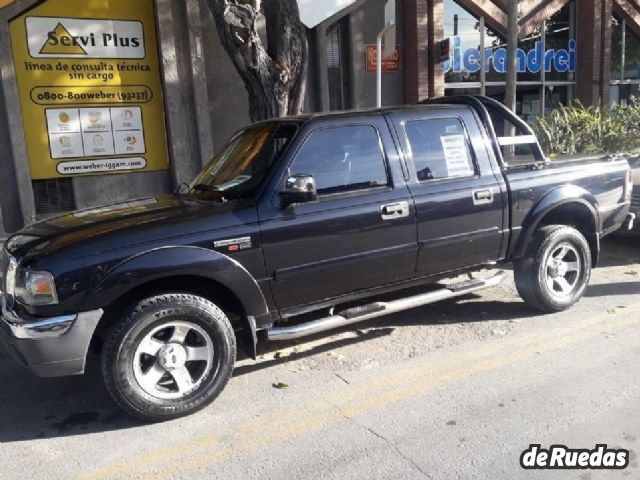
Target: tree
point(275, 76)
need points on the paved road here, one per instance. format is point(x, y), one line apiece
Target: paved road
point(456, 390)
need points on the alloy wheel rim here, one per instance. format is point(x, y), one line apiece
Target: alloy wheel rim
point(563, 270)
point(173, 360)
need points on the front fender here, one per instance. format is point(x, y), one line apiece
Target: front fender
point(554, 199)
point(167, 262)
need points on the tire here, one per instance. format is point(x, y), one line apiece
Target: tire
point(171, 356)
point(539, 275)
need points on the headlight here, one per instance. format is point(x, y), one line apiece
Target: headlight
point(35, 288)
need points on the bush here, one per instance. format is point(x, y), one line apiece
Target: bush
point(577, 129)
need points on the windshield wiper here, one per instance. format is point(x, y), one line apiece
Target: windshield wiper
point(204, 187)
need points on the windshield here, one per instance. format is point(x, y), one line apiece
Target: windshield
point(239, 169)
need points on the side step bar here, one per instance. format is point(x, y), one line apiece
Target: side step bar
point(378, 309)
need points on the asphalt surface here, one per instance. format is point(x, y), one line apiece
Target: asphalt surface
point(448, 391)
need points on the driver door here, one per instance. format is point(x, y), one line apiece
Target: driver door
point(346, 241)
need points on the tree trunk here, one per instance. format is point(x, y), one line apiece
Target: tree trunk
point(275, 77)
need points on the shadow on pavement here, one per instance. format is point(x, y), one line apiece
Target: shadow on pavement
point(605, 289)
point(459, 310)
point(618, 250)
point(37, 408)
point(41, 408)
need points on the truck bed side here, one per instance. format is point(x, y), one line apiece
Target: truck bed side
point(576, 192)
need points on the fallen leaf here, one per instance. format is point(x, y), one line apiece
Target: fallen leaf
point(633, 273)
point(280, 385)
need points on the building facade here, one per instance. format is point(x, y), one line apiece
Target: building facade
point(105, 101)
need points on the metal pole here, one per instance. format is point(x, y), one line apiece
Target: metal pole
point(543, 71)
point(623, 59)
point(483, 73)
point(379, 63)
point(512, 60)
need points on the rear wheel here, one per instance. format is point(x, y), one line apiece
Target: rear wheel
point(556, 269)
point(171, 356)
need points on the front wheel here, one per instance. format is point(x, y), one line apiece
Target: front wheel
point(556, 269)
point(171, 356)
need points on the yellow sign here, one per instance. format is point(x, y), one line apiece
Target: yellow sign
point(4, 3)
point(90, 87)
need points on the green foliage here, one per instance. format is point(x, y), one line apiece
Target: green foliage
point(576, 129)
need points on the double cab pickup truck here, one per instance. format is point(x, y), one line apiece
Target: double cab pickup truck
point(298, 226)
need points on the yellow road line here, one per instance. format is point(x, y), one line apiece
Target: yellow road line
point(463, 366)
point(333, 415)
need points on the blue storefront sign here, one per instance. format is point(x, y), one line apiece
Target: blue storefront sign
point(560, 60)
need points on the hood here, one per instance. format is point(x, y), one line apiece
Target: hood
point(121, 224)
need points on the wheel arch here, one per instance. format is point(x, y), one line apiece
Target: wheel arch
point(569, 205)
point(193, 270)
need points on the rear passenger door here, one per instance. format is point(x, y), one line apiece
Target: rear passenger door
point(460, 199)
point(360, 234)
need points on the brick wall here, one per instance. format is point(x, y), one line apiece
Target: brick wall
point(589, 51)
point(416, 48)
point(436, 34)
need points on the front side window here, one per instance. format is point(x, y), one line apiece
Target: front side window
point(342, 159)
point(439, 148)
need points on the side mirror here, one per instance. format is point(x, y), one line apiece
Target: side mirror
point(300, 189)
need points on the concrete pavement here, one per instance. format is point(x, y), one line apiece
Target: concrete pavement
point(455, 390)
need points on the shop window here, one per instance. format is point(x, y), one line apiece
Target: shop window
point(54, 195)
point(561, 37)
point(337, 66)
point(625, 61)
point(547, 60)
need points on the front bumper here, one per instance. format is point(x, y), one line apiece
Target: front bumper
point(49, 347)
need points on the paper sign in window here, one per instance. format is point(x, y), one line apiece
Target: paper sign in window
point(456, 155)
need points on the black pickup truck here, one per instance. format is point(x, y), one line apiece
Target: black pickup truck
point(298, 226)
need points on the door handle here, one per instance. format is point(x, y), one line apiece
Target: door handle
point(482, 197)
point(394, 210)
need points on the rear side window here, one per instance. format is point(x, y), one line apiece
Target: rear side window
point(439, 148)
point(342, 159)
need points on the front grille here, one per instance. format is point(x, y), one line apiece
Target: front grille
point(635, 199)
